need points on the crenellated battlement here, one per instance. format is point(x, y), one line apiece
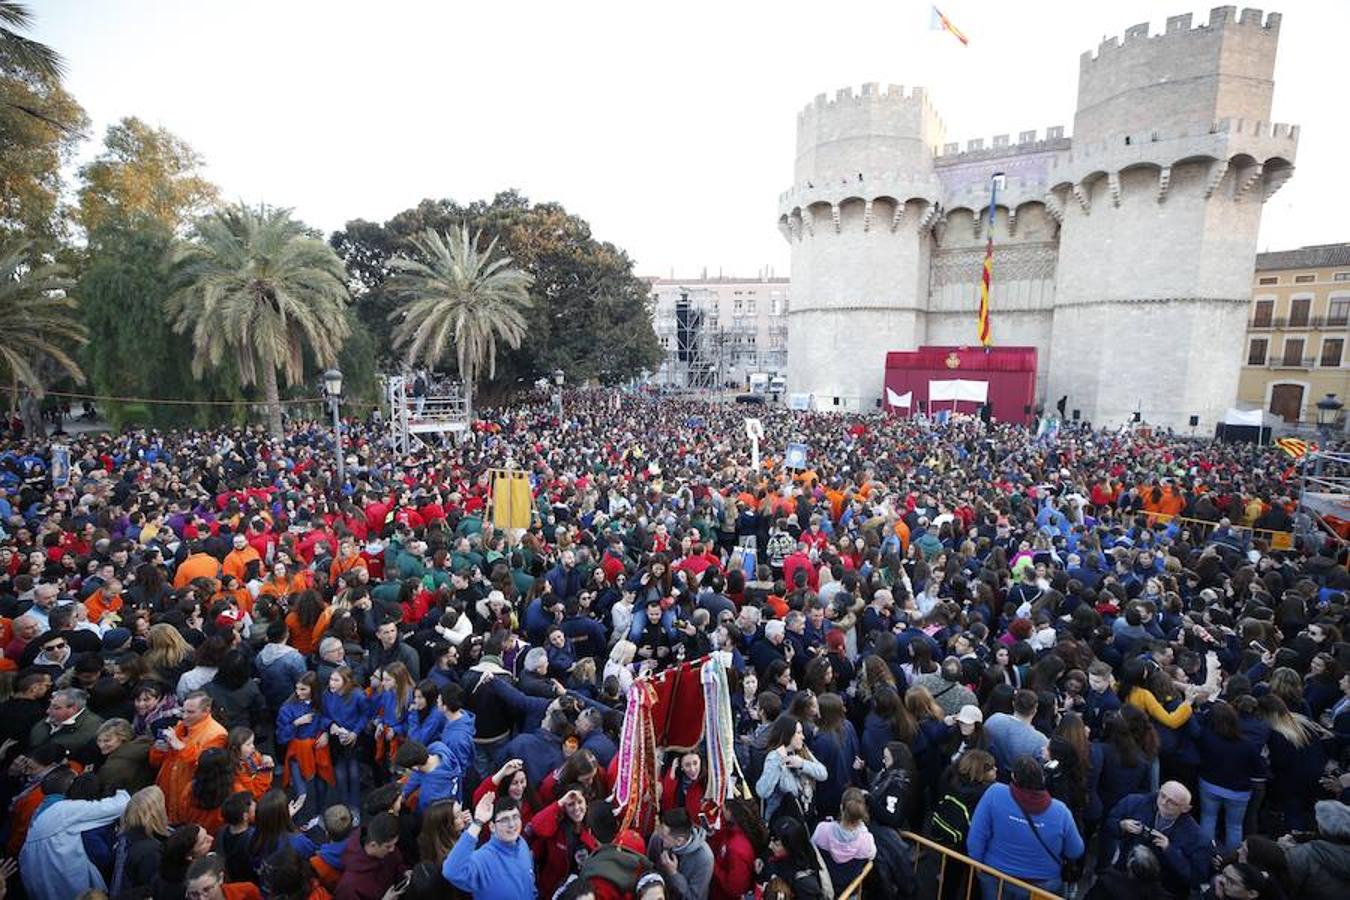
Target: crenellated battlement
point(871, 93)
point(1002, 145)
point(1179, 29)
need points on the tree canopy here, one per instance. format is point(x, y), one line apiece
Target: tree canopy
point(589, 315)
point(144, 171)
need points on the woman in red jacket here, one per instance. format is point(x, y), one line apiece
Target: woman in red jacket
point(556, 834)
point(683, 784)
point(735, 846)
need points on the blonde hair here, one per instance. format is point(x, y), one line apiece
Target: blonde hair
point(622, 653)
point(853, 807)
point(920, 702)
point(166, 647)
point(145, 810)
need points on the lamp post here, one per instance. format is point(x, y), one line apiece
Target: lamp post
point(1328, 411)
point(332, 391)
point(558, 379)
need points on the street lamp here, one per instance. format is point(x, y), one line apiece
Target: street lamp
point(332, 390)
point(558, 377)
point(1328, 411)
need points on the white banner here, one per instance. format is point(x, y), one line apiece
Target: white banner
point(957, 389)
point(799, 401)
point(904, 401)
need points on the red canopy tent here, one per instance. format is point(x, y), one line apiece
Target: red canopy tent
point(1009, 372)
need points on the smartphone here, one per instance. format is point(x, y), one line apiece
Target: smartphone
point(1258, 647)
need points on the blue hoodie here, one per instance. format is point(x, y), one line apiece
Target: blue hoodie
point(495, 871)
point(349, 712)
point(425, 728)
point(291, 710)
point(444, 781)
point(457, 737)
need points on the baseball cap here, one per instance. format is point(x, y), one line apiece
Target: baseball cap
point(970, 715)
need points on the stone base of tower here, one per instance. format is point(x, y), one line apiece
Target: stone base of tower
point(1168, 360)
point(838, 356)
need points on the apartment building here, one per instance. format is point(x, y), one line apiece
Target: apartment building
point(1295, 351)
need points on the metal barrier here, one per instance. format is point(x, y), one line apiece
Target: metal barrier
point(970, 888)
point(854, 888)
point(1276, 540)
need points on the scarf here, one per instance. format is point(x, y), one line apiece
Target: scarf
point(1030, 801)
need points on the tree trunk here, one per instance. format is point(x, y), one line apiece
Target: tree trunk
point(30, 413)
point(468, 402)
point(272, 394)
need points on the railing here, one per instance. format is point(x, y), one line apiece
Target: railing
point(949, 855)
point(1306, 362)
point(1276, 540)
point(1290, 322)
point(855, 886)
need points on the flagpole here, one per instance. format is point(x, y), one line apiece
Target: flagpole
point(983, 329)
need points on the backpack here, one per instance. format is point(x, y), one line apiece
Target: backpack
point(949, 822)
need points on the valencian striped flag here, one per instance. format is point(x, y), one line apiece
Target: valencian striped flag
point(942, 23)
point(1295, 447)
point(986, 334)
point(983, 329)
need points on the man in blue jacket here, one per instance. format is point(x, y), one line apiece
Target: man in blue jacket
point(1163, 822)
point(1021, 831)
point(503, 868)
point(436, 774)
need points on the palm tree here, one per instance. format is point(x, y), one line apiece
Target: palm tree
point(255, 286)
point(19, 52)
point(456, 293)
point(36, 318)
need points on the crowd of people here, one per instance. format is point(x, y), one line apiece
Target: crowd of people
point(1112, 663)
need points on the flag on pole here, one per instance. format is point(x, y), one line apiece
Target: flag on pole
point(1295, 447)
point(942, 23)
point(985, 332)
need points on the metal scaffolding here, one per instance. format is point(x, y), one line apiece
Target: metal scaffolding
point(444, 411)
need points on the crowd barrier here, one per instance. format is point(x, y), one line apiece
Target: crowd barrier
point(854, 889)
point(970, 886)
point(1276, 540)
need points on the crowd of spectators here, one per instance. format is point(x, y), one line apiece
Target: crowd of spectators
point(1111, 663)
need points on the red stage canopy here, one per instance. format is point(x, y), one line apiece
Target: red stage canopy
point(1010, 373)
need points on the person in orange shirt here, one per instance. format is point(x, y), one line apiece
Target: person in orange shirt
point(252, 770)
point(282, 583)
point(347, 559)
point(177, 750)
point(307, 621)
point(234, 592)
point(106, 601)
point(237, 560)
point(199, 564)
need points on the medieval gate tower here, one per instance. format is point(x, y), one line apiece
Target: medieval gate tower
point(1123, 254)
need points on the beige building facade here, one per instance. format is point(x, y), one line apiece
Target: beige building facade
point(718, 331)
point(1297, 325)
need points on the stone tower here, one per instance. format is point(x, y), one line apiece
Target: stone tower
point(1124, 254)
point(865, 196)
point(1173, 155)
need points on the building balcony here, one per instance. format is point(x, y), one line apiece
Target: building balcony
point(1286, 323)
point(1305, 363)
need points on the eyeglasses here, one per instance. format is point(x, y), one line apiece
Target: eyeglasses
point(511, 818)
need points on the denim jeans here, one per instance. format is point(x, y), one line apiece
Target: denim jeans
point(989, 887)
point(347, 774)
point(1233, 806)
point(485, 756)
point(309, 788)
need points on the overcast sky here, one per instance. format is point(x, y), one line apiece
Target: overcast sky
point(670, 126)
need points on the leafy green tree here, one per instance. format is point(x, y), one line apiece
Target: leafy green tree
point(452, 293)
point(133, 351)
point(590, 313)
point(144, 171)
point(40, 129)
point(254, 288)
point(38, 325)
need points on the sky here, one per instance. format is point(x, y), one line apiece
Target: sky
point(670, 127)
